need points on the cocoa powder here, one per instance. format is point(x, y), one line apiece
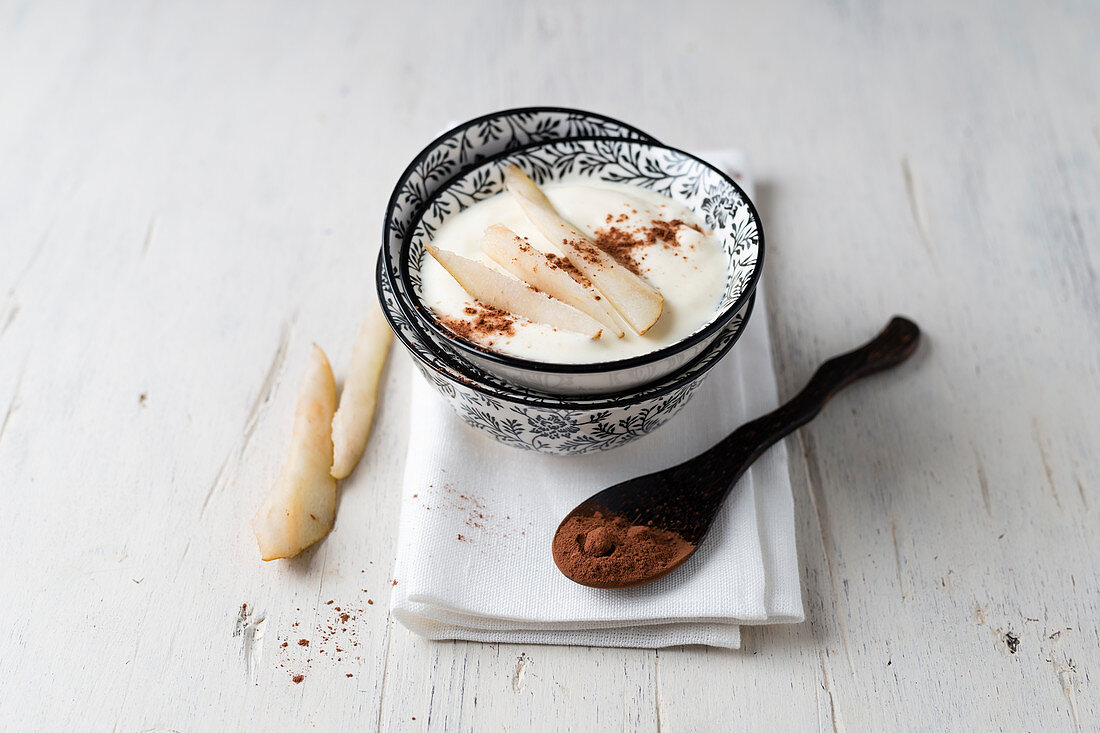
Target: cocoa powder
point(481, 324)
point(605, 550)
point(627, 246)
point(562, 263)
point(622, 246)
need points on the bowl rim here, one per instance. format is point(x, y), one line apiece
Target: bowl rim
point(420, 310)
point(675, 380)
point(431, 147)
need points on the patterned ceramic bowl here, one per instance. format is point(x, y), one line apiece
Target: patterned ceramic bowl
point(512, 414)
point(532, 420)
point(695, 184)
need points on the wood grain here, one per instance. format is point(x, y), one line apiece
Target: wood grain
point(191, 193)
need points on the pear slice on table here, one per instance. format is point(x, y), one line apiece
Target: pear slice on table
point(638, 302)
point(301, 507)
point(352, 422)
point(510, 251)
point(500, 291)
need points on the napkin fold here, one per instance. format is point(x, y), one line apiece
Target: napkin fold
point(477, 517)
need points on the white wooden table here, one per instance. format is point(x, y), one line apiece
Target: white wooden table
point(192, 192)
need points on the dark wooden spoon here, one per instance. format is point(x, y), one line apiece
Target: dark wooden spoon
point(684, 500)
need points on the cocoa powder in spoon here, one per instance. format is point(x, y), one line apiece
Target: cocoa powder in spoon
point(606, 550)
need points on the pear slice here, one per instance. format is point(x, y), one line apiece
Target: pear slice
point(510, 251)
point(301, 507)
point(352, 422)
point(638, 302)
point(507, 294)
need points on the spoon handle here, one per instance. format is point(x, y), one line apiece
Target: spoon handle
point(895, 344)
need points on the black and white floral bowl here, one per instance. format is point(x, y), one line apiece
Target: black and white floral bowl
point(710, 193)
point(532, 420)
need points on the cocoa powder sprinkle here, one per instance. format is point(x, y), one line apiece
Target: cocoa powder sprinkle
point(622, 246)
point(609, 550)
point(627, 246)
point(563, 263)
point(482, 322)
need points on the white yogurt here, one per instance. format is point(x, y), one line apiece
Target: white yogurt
point(690, 275)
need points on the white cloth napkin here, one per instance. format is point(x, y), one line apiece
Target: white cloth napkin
point(477, 517)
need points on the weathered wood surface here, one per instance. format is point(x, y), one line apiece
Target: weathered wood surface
point(191, 193)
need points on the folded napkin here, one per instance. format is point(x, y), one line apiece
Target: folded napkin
point(477, 517)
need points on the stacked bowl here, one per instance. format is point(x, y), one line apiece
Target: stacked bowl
point(560, 408)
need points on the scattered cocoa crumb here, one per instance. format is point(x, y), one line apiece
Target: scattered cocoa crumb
point(627, 246)
point(622, 246)
point(664, 231)
point(568, 267)
point(584, 250)
point(344, 617)
point(484, 322)
point(460, 537)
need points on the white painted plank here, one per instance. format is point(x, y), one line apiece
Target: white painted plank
point(191, 193)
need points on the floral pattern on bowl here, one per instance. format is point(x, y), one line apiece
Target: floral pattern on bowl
point(531, 420)
point(560, 431)
point(472, 142)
